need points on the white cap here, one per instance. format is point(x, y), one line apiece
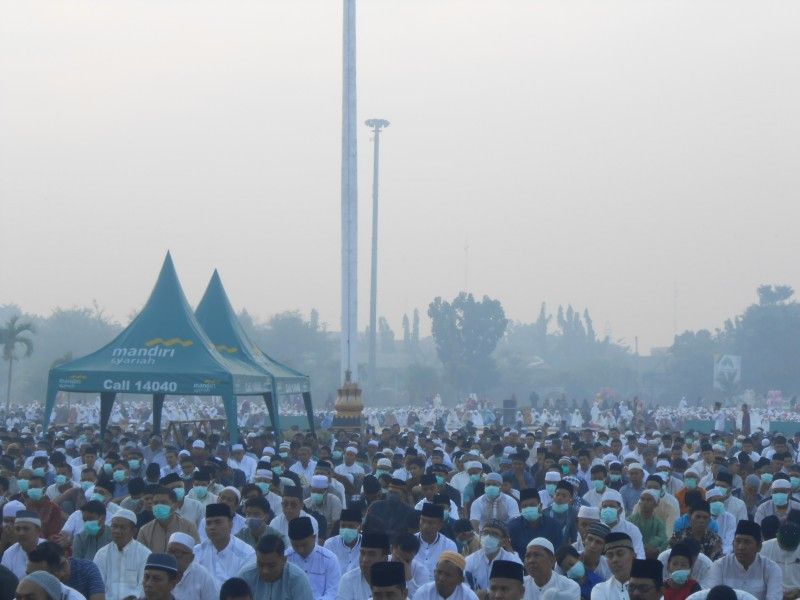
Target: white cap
point(184, 539)
point(612, 495)
point(714, 492)
point(589, 512)
point(319, 482)
point(388, 452)
point(635, 467)
point(663, 463)
point(473, 464)
point(43, 453)
point(552, 476)
point(373, 443)
point(384, 462)
point(198, 444)
point(764, 442)
point(780, 484)
point(268, 451)
point(236, 492)
point(653, 493)
point(10, 509)
point(542, 543)
point(352, 449)
point(265, 473)
point(124, 513)
point(508, 450)
point(237, 448)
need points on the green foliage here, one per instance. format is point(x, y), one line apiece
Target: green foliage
point(421, 381)
point(466, 333)
point(16, 344)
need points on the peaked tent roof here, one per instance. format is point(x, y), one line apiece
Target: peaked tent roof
point(164, 350)
point(217, 317)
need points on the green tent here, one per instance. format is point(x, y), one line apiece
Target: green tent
point(218, 319)
point(163, 351)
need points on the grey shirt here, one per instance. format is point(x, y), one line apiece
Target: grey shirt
point(293, 584)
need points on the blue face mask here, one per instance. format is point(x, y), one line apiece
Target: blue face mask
point(717, 508)
point(179, 493)
point(565, 469)
point(263, 486)
point(277, 471)
point(99, 498)
point(550, 487)
point(200, 491)
point(691, 483)
point(22, 484)
point(162, 511)
point(134, 464)
point(39, 471)
point(766, 477)
point(108, 468)
point(348, 535)
point(559, 508)
point(530, 513)
point(475, 478)
point(615, 477)
point(439, 480)
point(91, 527)
point(680, 576)
point(795, 481)
point(119, 476)
point(317, 498)
point(85, 485)
point(35, 494)
point(599, 485)
point(336, 455)
point(608, 515)
point(576, 571)
point(492, 491)
point(780, 498)
point(61, 479)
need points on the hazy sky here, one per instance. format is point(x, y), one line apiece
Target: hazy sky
point(596, 153)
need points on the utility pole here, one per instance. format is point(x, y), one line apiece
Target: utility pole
point(349, 325)
point(376, 125)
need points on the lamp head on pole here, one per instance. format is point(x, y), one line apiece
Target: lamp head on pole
point(377, 123)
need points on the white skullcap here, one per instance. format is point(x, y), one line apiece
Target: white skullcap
point(635, 467)
point(237, 448)
point(552, 476)
point(184, 453)
point(230, 488)
point(268, 451)
point(124, 513)
point(508, 450)
point(663, 463)
point(198, 444)
point(265, 473)
point(653, 493)
point(589, 512)
point(384, 462)
point(285, 445)
point(373, 443)
point(612, 496)
point(352, 449)
point(388, 452)
point(780, 484)
point(764, 442)
point(69, 444)
point(718, 447)
point(43, 453)
point(267, 458)
point(184, 539)
point(11, 508)
point(319, 482)
point(641, 440)
point(715, 491)
point(473, 464)
point(542, 543)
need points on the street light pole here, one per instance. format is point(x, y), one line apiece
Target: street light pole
point(376, 125)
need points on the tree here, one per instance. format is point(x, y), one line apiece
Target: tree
point(415, 328)
point(406, 332)
point(421, 381)
point(769, 295)
point(12, 336)
point(466, 332)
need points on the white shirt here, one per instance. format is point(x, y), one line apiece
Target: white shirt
point(196, 584)
point(634, 533)
point(763, 579)
point(353, 586)
point(740, 595)
point(557, 582)
point(282, 525)
point(247, 466)
point(479, 565)
point(347, 556)
point(122, 571)
point(767, 508)
point(736, 507)
point(453, 507)
point(459, 481)
point(700, 569)
point(428, 592)
point(727, 529)
point(483, 510)
point(788, 561)
point(192, 510)
point(237, 524)
point(610, 589)
point(307, 472)
point(322, 569)
point(227, 563)
point(74, 523)
point(15, 559)
point(429, 554)
point(210, 498)
point(349, 472)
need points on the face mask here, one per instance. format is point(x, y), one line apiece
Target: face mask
point(680, 576)
point(599, 485)
point(565, 469)
point(439, 480)
point(99, 498)
point(689, 441)
point(475, 478)
point(85, 485)
point(766, 477)
point(551, 488)
point(662, 492)
point(35, 494)
point(61, 479)
point(200, 491)
point(39, 471)
point(608, 515)
point(379, 472)
point(737, 445)
point(283, 454)
point(576, 571)
point(492, 491)
point(530, 513)
point(614, 477)
point(446, 515)
point(119, 476)
point(490, 544)
point(162, 511)
point(91, 527)
point(317, 498)
point(134, 464)
point(559, 508)
point(263, 486)
point(22, 484)
point(278, 471)
point(254, 523)
point(795, 482)
point(179, 493)
point(336, 455)
point(108, 468)
point(664, 475)
point(778, 498)
point(717, 508)
point(348, 535)
point(690, 482)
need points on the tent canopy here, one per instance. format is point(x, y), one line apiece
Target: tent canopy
point(163, 351)
point(218, 319)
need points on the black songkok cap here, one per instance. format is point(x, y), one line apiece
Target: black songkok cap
point(507, 569)
point(434, 511)
point(649, 568)
point(218, 510)
point(427, 479)
point(350, 515)
point(293, 491)
point(462, 526)
point(375, 540)
point(565, 485)
point(681, 549)
point(725, 476)
point(619, 538)
point(162, 562)
point(394, 482)
point(705, 447)
point(201, 475)
point(300, 528)
point(749, 528)
point(169, 479)
point(387, 574)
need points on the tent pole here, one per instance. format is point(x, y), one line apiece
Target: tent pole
point(271, 409)
point(229, 400)
point(158, 407)
point(106, 404)
point(309, 410)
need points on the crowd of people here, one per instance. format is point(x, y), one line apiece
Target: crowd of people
point(428, 509)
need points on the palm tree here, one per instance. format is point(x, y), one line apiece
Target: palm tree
point(12, 336)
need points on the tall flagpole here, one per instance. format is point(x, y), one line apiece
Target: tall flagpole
point(349, 325)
